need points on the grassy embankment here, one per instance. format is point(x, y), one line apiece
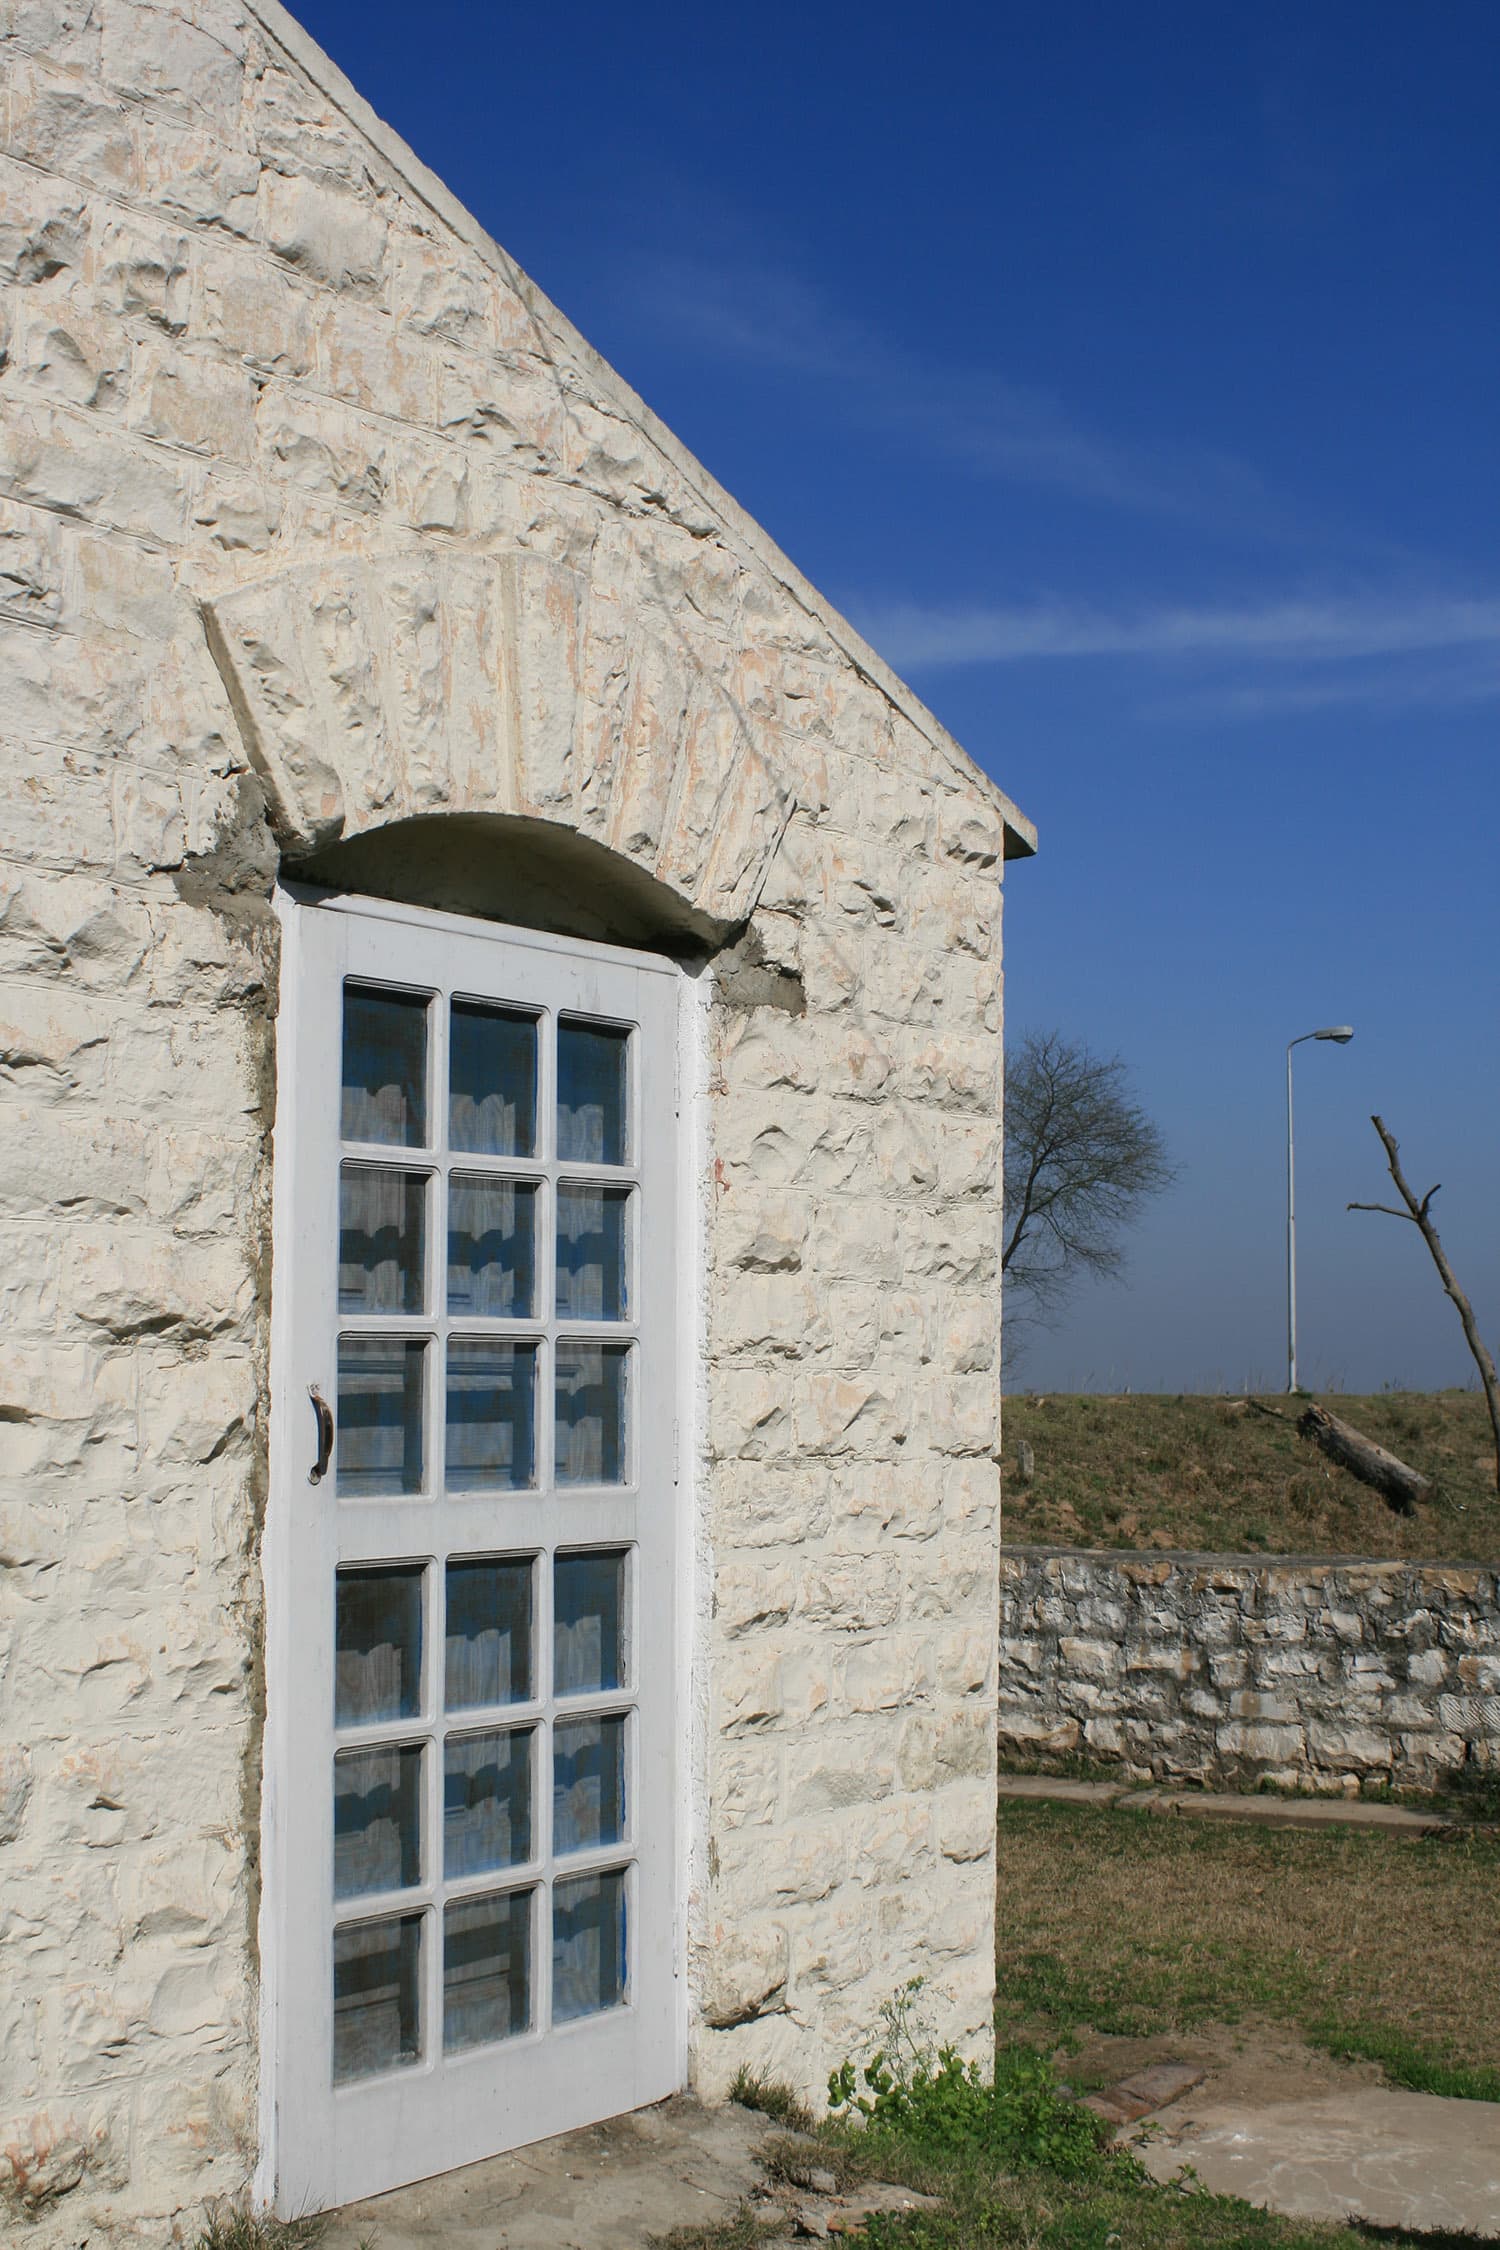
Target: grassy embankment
point(1211, 1475)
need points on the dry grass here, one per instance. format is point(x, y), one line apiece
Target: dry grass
point(231, 2225)
point(1365, 1944)
point(1209, 1474)
point(743, 2231)
point(773, 2099)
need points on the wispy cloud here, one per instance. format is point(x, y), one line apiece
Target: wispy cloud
point(1423, 652)
point(768, 318)
point(1450, 681)
point(1302, 632)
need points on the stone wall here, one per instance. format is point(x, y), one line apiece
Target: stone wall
point(246, 335)
point(1225, 1670)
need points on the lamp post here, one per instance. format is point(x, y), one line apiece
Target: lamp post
point(1341, 1034)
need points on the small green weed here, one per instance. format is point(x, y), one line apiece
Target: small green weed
point(943, 2109)
point(773, 2099)
point(948, 2110)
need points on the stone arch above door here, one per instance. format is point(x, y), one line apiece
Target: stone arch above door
point(371, 692)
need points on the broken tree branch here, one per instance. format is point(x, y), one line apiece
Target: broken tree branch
point(1400, 1486)
point(1417, 1211)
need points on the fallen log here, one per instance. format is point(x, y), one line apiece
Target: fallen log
point(1398, 1485)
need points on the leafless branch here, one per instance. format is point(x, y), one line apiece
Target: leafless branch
point(1417, 1210)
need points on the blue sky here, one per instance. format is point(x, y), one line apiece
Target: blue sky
point(1128, 374)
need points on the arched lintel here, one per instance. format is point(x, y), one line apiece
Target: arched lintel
point(373, 693)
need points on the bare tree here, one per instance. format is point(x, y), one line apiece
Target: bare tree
point(1081, 1160)
point(1418, 1210)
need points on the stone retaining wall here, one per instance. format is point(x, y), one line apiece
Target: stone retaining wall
point(1217, 1669)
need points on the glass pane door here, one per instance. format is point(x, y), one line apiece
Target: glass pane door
point(496, 1896)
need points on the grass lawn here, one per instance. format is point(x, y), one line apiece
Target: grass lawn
point(1212, 1475)
point(1366, 1945)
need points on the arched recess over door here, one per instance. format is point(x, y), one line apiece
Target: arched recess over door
point(494, 688)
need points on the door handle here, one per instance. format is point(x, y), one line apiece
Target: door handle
point(324, 1413)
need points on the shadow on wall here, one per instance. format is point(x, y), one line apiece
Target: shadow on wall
point(503, 868)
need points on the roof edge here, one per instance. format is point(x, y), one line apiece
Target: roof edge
point(281, 26)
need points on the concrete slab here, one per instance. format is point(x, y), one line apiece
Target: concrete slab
point(1058, 1791)
point(1402, 2160)
point(608, 2187)
point(1298, 1812)
point(1204, 1804)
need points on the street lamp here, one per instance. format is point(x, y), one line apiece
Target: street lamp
point(1341, 1034)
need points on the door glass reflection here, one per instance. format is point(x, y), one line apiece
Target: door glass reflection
point(377, 1988)
point(377, 1824)
point(588, 1606)
point(491, 1440)
point(487, 1969)
point(592, 1076)
point(588, 1783)
point(590, 1419)
point(491, 1081)
point(385, 1067)
point(491, 1248)
point(487, 1658)
point(487, 1801)
point(380, 1415)
point(592, 1250)
point(382, 1240)
point(588, 1945)
point(378, 1663)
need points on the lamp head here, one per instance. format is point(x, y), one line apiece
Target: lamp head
point(1342, 1032)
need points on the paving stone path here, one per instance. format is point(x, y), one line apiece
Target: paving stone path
point(1414, 2161)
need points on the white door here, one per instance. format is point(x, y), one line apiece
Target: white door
point(470, 1924)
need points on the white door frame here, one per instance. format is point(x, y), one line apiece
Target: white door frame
point(291, 1431)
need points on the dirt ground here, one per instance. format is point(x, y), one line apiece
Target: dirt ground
point(1252, 2062)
